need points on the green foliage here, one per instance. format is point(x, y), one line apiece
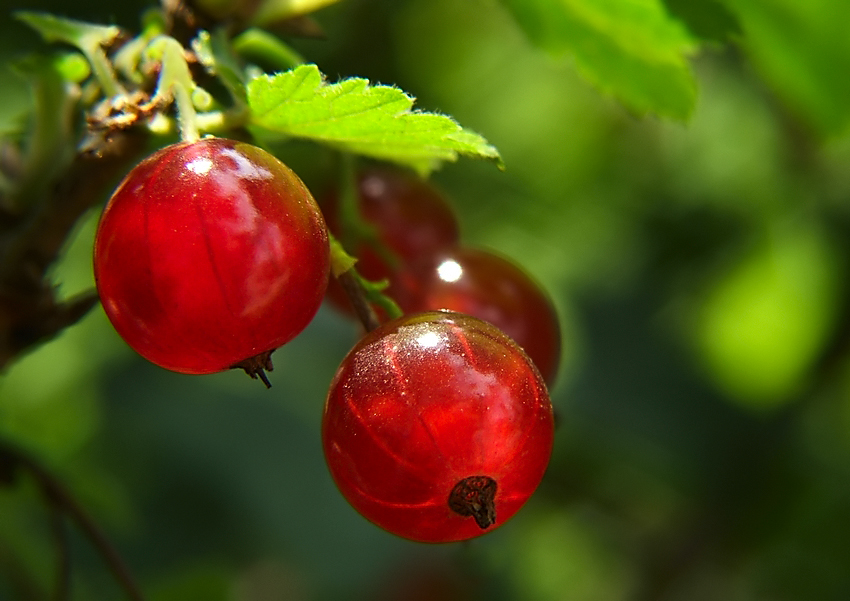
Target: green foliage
point(697, 259)
point(802, 48)
point(69, 31)
point(356, 117)
point(709, 20)
point(632, 50)
point(271, 11)
point(764, 324)
point(89, 38)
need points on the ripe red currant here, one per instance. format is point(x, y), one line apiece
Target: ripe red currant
point(210, 255)
point(489, 287)
point(437, 427)
point(411, 218)
point(411, 221)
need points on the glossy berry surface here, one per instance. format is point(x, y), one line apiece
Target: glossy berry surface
point(209, 254)
point(410, 221)
point(409, 216)
point(489, 287)
point(427, 417)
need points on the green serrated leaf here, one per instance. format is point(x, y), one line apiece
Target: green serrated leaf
point(631, 49)
point(803, 50)
point(356, 117)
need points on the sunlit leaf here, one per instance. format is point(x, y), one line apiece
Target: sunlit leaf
point(356, 117)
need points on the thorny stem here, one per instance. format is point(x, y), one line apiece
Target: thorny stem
point(61, 501)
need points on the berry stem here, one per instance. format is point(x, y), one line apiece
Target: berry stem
point(255, 42)
point(342, 268)
point(175, 83)
point(89, 38)
point(351, 283)
point(356, 229)
point(102, 68)
point(361, 292)
point(349, 212)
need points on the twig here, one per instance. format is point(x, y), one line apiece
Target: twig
point(61, 500)
point(29, 310)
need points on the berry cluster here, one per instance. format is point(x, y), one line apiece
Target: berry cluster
point(413, 243)
point(437, 425)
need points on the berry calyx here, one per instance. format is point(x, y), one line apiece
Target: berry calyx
point(475, 496)
point(210, 255)
point(437, 427)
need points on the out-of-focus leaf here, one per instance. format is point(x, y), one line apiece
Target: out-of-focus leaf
point(631, 49)
point(706, 19)
point(262, 46)
point(803, 50)
point(214, 52)
point(89, 38)
point(567, 557)
point(356, 117)
point(70, 31)
point(51, 139)
point(764, 324)
point(198, 583)
point(278, 10)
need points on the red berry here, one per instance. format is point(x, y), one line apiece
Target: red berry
point(488, 287)
point(437, 427)
point(209, 255)
point(409, 215)
point(411, 220)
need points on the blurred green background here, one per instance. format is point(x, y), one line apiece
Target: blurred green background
point(703, 449)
